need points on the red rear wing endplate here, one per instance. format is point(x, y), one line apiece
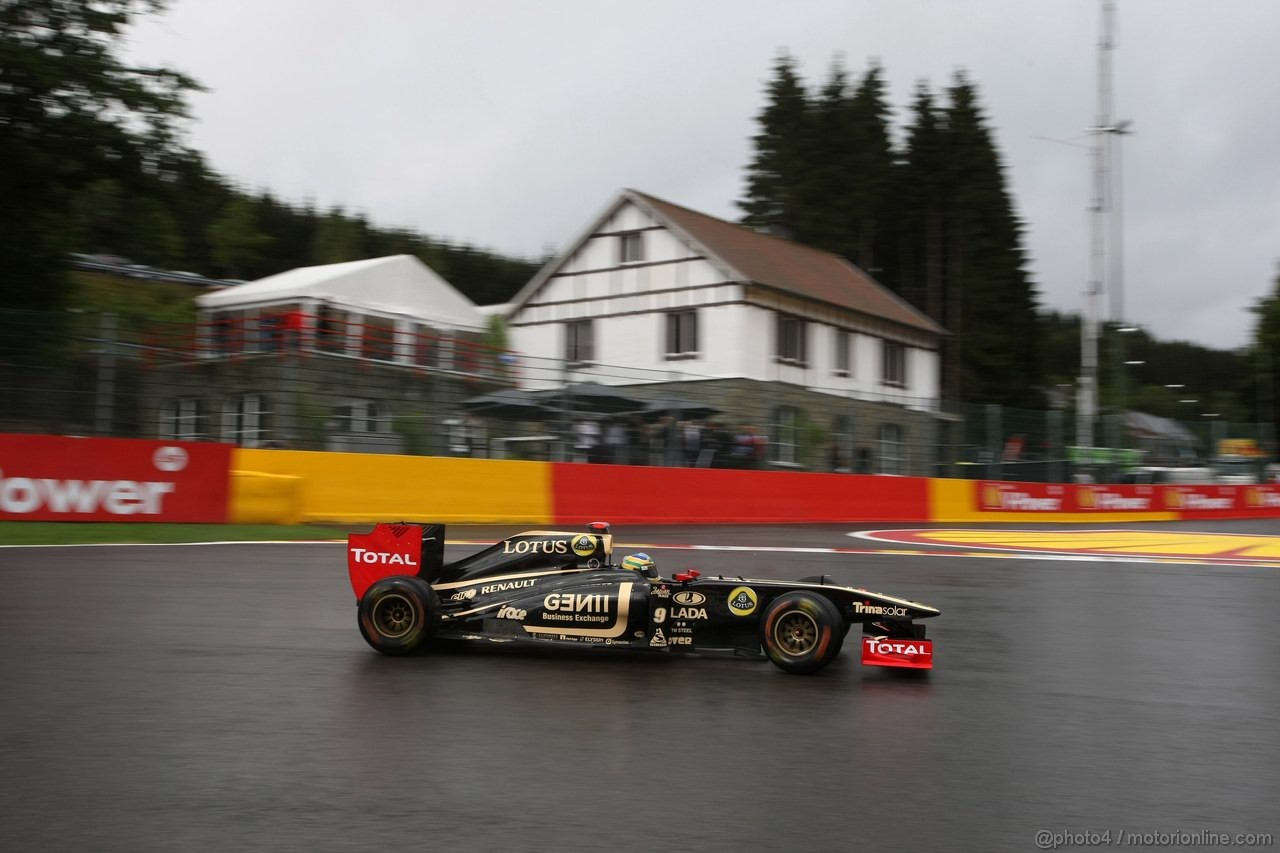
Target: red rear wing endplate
point(391, 549)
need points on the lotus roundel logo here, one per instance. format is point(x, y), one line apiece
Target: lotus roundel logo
point(743, 601)
point(584, 546)
point(169, 459)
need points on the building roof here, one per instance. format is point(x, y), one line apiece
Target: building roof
point(746, 255)
point(788, 266)
point(398, 285)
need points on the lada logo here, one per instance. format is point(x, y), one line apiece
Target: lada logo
point(689, 597)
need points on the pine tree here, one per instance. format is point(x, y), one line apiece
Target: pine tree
point(1266, 358)
point(990, 304)
point(920, 185)
point(869, 170)
point(821, 185)
point(778, 167)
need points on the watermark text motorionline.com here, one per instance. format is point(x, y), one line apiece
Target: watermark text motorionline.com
point(1050, 840)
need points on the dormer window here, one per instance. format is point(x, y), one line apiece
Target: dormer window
point(630, 248)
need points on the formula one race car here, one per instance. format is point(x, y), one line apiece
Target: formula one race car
point(562, 588)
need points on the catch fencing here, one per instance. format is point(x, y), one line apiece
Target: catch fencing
point(374, 388)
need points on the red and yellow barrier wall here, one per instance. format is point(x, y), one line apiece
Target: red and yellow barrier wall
point(364, 488)
point(86, 479)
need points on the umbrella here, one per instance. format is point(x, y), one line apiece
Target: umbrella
point(680, 409)
point(510, 404)
point(593, 398)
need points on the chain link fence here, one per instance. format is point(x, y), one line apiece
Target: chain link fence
point(375, 388)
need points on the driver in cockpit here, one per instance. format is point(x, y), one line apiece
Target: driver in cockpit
point(641, 563)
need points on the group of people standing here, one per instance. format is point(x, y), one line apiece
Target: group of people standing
point(690, 443)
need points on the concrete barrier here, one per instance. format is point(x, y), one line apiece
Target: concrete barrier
point(366, 487)
point(260, 498)
point(639, 495)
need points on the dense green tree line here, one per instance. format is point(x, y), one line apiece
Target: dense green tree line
point(91, 161)
point(931, 219)
point(1170, 375)
point(1265, 356)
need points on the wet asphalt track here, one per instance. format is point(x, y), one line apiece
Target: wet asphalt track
point(220, 698)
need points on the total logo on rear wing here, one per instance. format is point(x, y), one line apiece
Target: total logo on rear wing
point(391, 549)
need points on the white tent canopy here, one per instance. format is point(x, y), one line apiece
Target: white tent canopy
point(395, 286)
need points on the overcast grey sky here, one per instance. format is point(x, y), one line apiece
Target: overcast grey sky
point(509, 124)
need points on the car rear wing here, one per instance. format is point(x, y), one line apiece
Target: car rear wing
point(394, 549)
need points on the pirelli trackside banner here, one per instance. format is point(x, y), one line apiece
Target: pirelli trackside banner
point(57, 478)
point(1193, 501)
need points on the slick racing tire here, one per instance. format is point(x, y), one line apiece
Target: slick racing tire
point(399, 615)
point(801, 632)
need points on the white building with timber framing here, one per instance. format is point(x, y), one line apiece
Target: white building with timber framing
point(651, 292)
point(653, 288)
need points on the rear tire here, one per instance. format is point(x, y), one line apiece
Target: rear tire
point(801, 632)
point(398, 615)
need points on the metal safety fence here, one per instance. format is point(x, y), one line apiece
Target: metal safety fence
point(375, 387)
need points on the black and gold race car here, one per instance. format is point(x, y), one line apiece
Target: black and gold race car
point(563, 588)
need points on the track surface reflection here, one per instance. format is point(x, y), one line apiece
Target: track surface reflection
point(220, 697)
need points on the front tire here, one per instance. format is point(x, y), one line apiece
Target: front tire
point(801, 632)
point(398, 615)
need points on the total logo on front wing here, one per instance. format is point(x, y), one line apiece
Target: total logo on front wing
point(897, 652)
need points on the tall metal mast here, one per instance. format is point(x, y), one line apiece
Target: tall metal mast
point(1102, 131)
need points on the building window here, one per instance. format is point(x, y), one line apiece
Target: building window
point(331, 329)
point(466, 437)
point(426, 346)
point(579, 342)
point(245, 420)
point(841, 448)
point(894, 370)
point(377, 339)
point(180, 420)
point(433, 348)
point(226, 332)
point(842, 358)
point(892, 450)
point(363, 416)
point(785, 420)
point(630, 248)
point(682, 334)
point(791, 344)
